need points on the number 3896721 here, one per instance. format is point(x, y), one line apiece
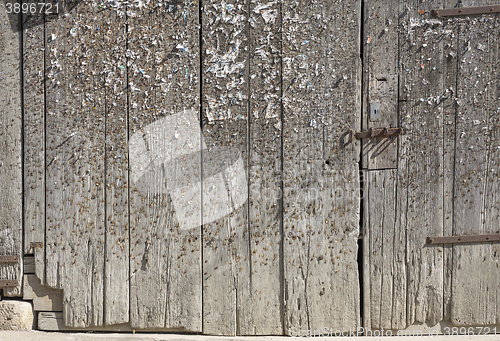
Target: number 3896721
point(32, 8)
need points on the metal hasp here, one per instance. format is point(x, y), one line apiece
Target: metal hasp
point(451, 12)
point(493, 237)
point(375, 133)
point(9, 259)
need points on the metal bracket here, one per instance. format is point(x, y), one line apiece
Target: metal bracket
point(8, 283)
point(451, 12)
point(375, 133)
point(35, 245)
point(9, 259)
point(493, 237)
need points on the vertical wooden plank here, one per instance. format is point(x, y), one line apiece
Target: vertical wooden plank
point(386, 241)
point(225, 90)
point(163, 84)
point(34, 137)
point(10, 149)
point(449, 103)
point(265, 178)
point(321, 102)
point(424, 48)
point(75, 164)
point(421, 179)
point(111, 47)
point(475, 276)
point(380, 80)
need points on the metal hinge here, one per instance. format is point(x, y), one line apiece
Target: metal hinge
point(375, 133)
point(451, 12)
point(493, 237)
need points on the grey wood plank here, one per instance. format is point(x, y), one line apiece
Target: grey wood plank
point(44, 298)
point(11, 238)
point(163, 76)
point(449, 103)
point(264, 178)
point(321, 102)
point(28, 264)
point(380, 80)
point(34, 136)
point(75, 169)
point(475, 275)
point(54, 321)
point(421, 181)
point(227, 302)
point(424, 48)
point(112, 51)
point(387, 246)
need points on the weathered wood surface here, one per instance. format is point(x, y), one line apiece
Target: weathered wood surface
point(443, 145)
point(380, 80)
point(227, 304)
point(163, 75)
point(34, 136)
point(75, 169)
point(420, 171)
point(385, 244)
point(321, 102)
point(28, 264)
point(475, 273)
point(54, 321)
point(264, 176)
point(111, 48)
point(10, 150)
point(44, 298)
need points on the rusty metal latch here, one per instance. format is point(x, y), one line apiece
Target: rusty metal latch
point(451, 12)
point(35, 245)
point(9, 259)
point(8, 283)
point(375, 133)
point(493, 237)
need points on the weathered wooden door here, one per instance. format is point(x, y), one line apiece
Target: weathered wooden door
point(262, 95)
point(438, 79)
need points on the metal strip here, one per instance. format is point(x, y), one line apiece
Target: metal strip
point(373, 133)
point(34, 245)
point(9, 259)
point(8, 283)
point(451, 12)
point(493, 237)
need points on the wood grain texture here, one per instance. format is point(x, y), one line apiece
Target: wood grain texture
point(321, 102)
point(426, 109)
point(380, 80)
point(111, 46)
point(44, 298)
point(475, 271)
point(420, 176)
point(264, 178)
point(28, 264)
point(34, 136)
point(163, 75)
point(227, 301)
point(386, 242)
point(75, 164)
point(449, 103)
point(11, 238)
